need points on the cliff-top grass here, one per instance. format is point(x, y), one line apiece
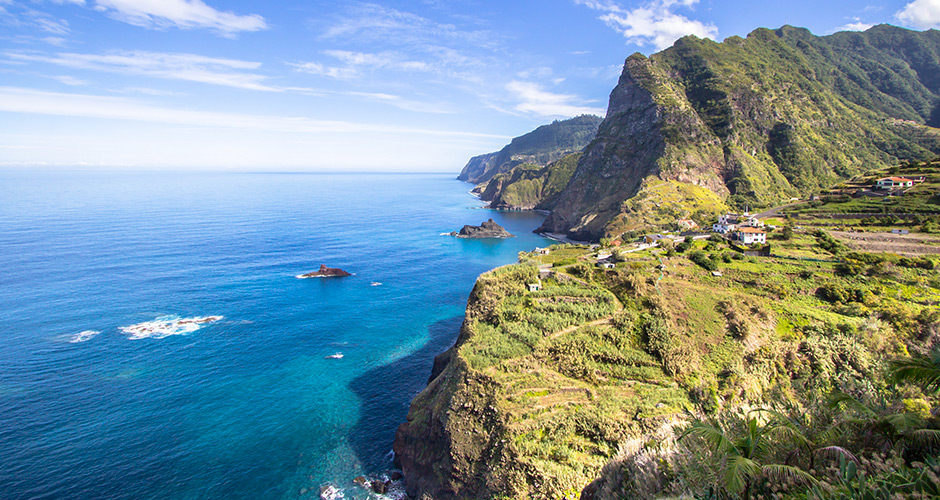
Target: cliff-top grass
point(597, 356)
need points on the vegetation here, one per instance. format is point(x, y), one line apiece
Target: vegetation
point(540, 147)
point(530, 186)
point(758, 121)
point(662, 379)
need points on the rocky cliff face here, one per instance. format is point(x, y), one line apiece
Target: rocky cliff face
point(453, 434)
point(539, 147)
point(529, 186)
point(757, 120)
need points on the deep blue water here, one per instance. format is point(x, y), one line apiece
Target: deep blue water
point(249, 406)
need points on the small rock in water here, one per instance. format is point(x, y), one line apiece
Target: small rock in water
point(395, 476)
point(361, 481)
point(379, 487)
point(330, 492)
point(303, 491)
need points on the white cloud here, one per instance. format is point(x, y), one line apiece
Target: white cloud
point(377, 23)
point(856, 25)
point(20, 100)
point(184, 14)
point(536, 100)
point(174, 66)
point(654, 23)
point(921, 14)
point(354, 64)
point(70, 80)
point(21, 16)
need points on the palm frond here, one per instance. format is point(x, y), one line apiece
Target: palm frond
point(925, 437)
point(918, 371)
point(790, 433)
point(713, 435)
point(901, 422)
point(739, 470)
point(780, 473)
point(838, 399)
point(836, 452)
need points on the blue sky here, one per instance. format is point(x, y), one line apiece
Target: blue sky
point(325, 85)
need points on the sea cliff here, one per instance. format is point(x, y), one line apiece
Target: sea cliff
point(577, 384)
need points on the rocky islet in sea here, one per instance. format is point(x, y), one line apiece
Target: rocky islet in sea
point(488, 229)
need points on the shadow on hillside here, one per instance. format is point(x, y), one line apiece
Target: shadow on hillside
point(386, 392)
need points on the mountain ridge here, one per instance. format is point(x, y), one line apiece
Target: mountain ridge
point(541, 146)
point(782, 113)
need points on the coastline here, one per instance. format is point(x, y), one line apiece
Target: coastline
point(563, 239)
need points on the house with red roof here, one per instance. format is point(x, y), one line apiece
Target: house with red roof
point(750, 235)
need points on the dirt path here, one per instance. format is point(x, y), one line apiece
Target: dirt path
point(774, 212)
point(572, 328)
point(903, 244)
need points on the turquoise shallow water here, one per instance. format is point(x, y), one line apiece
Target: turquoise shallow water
point(248, 406)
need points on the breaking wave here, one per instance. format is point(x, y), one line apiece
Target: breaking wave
point(166, 326)
point(84, 336)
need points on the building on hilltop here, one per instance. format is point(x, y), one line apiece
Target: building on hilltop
point(893, 183)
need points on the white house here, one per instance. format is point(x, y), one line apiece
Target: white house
point(893, 182)
point(726, 223)
point(750, 235)
point(752, 221)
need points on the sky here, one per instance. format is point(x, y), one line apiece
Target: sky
point(295, 85)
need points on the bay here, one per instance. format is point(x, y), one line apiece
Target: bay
point(251, 406)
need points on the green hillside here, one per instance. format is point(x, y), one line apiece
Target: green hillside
point(780, 114)
point(597, 374)
point(529, 186)
point(540, 147)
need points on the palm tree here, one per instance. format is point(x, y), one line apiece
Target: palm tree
point(882, 429)
point(922, 371)
point(740, 456)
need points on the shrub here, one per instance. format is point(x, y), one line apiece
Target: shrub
point(703, 260)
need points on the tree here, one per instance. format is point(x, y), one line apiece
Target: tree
point(739, 457)
point(920, 371)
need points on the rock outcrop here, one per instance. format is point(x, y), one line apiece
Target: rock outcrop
point(326, 272)
point(488, 229)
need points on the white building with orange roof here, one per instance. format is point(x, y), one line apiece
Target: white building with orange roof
point(750, 235)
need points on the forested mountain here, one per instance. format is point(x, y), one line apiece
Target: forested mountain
point(540, 147)
point(781, 113)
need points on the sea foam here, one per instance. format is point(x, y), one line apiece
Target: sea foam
point(84, 336)
point(166, 326)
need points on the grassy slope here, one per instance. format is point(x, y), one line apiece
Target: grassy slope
point(922, 198)
point(597, 357)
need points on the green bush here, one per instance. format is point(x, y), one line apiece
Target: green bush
point(703, 260)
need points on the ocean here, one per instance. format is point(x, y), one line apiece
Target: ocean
point(155, 342)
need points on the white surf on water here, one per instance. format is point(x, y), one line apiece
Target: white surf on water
point(166, 326)
point(84, 336)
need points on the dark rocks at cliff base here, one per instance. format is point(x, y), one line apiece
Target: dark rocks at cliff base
point(326, 272)
point(488, 229)
point(380, 487)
